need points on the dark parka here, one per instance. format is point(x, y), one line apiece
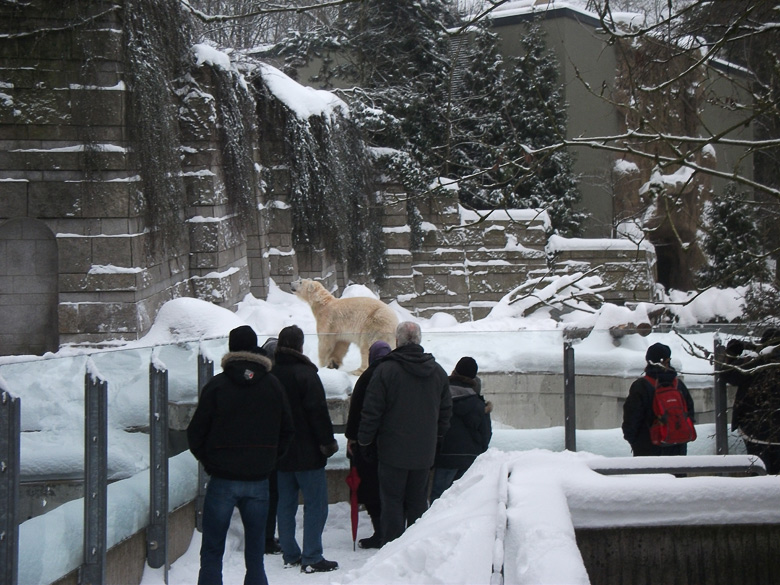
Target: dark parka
point(407, 408)
point(242, 423)
point(757, 402)
point(638, 412)
point(470, 427)
point(306, 395)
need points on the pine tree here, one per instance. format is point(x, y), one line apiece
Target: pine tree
point(534, 117)
point(732, 242)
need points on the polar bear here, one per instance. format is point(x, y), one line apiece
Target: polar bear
point(358, 320)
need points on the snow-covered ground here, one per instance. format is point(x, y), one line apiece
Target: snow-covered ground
point(550, 492)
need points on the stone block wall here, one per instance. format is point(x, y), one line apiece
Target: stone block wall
point(69, 168)
point(67, 162)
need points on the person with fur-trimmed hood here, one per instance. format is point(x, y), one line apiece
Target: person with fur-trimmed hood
point(470, 428)
point(638, 413)
point(302, 470)
point(240, 428)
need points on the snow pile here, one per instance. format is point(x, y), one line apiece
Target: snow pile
point(305, 102)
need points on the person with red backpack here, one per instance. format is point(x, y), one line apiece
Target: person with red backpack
point(658, 415)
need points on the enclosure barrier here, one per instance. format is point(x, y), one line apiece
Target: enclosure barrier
point(93, 569)
point(10, 425)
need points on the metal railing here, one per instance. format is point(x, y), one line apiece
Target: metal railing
point(93, 568)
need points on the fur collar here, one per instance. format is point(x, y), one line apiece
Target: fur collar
point(246, 356)
point(472, 383)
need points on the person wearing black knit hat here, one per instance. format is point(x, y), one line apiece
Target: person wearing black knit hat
point(302, 470)
point(638, 414)
point(470, 428)
point(241, 427)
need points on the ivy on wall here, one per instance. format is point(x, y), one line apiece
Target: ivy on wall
point(158, 41)
point(332, 196)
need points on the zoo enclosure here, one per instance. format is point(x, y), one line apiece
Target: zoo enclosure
point(92, 568)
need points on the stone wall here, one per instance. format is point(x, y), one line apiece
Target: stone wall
point(95, 272)
point(67, 160)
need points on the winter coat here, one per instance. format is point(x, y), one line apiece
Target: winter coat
point(470, 427)
point(638, 413)
point(313, 428)
point(242, 423)
point(756, 411)
point(407, 408)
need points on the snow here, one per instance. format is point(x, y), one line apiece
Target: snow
point(304, 102)
point(206, 54)
point(549, 493)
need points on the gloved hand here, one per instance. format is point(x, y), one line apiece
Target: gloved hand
point(735, 347)
point(367, 452)
point(329, 450)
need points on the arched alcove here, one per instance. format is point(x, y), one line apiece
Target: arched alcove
point(28, 288)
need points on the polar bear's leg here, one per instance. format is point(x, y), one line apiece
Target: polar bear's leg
point(340, 349)
point(326, 343)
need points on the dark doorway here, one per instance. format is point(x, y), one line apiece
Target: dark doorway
point(28, 288)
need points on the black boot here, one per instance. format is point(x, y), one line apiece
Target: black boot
point(374, 541)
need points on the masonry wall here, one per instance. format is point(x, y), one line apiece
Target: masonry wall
point(67, 162)
point(87, 268)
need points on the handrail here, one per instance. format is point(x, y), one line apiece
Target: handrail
point(689, 464)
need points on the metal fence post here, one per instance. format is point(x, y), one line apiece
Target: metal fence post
point(205, 373)
point(570, 416)
point(10, 454)
point(157, 533)
point(93, 570)
point(721, 401)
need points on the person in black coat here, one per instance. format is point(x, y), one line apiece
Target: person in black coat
point(638, 413)
point(470, 428)
point(240, 428)
point(302, 469)
point(406, 411)
point(756, 411)
point(368, 489)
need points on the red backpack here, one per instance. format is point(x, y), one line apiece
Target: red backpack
point(673, 424)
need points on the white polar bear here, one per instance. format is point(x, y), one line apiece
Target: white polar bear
point(358, 320)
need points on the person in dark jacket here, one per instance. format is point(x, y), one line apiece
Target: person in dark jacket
point(271, 542)
point(368, 489)
point(240, 428)
point(302, 469)
point(638, 413)
point(406, 411)
point(756, 412)
point(470, 428)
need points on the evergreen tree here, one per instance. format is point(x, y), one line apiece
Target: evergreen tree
point(732, 242)
point(534, 117)
point(453, 105)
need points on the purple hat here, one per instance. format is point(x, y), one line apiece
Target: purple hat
point(378, 349)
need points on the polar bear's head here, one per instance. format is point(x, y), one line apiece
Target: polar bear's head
point(309, 290)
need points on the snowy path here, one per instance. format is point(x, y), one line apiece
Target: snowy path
point(532, 538)
point(337, 540)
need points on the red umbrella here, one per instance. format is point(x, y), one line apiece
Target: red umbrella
point(353, 481)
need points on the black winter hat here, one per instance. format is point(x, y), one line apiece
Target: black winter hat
point(658, 352)
point(466, 367)
point(242, 338)
point(291, 337)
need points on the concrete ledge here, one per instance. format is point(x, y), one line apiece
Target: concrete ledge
point(125, 562)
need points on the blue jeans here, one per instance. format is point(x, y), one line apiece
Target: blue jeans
point(313, 485)
point(251, 499)
point(443, 478)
